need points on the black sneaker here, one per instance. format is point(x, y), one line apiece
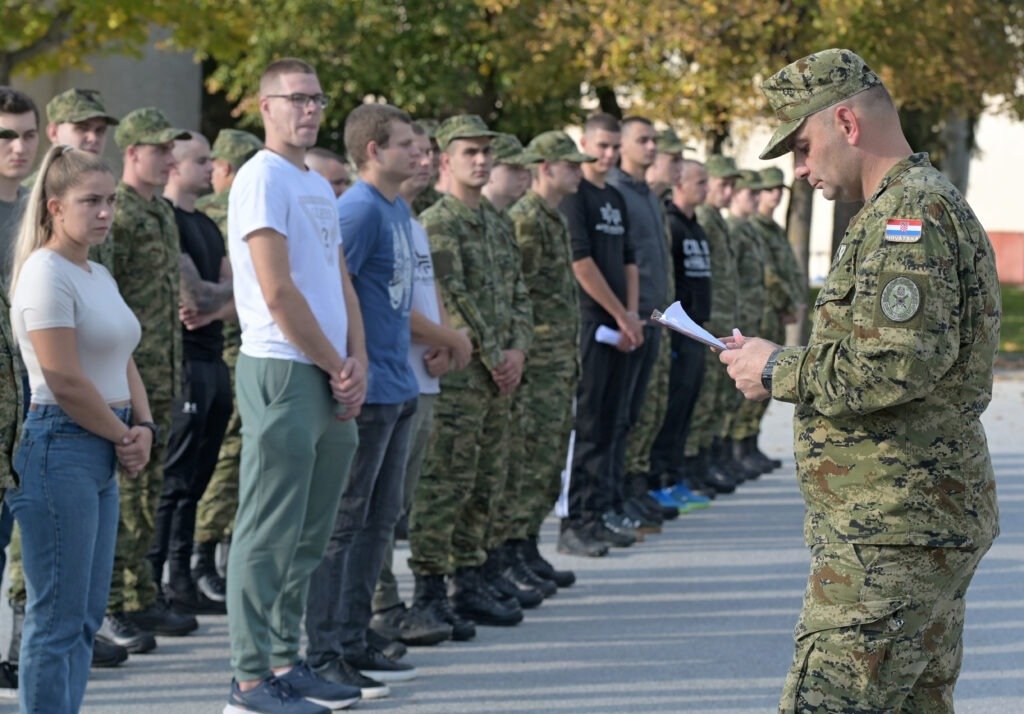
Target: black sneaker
point(212, 586)
point(639, 516)
point(271, 696)
point(579, 541)
point(600, 531)
point(119, 630)
point(8, 680)
point(392, 648)
point(313, 688)
point(159, 619)
point(107, 654)
point(339, 672)
point(421, 629)
point(371, 662)
point(538, 564)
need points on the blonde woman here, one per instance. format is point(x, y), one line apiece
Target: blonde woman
point(89, 414)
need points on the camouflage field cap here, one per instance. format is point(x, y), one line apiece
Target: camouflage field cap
point(428, 125)
point(8, 133)
point(77, 105)
point(773, 177)
point(668, 142)
point(809, 85)
point(719, 166)
point(557, 146)
point(749, 179)
point(147, 126)
point(507, 149)
point(234, 146)
point(461, 126)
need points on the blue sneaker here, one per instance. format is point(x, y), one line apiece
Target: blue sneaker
point(683, 494)
point(664, 498)
point(310, 686)
point(272, 696)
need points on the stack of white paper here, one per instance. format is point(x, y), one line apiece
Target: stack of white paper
point(675, 318)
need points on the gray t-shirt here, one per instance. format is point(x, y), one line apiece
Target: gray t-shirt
point(10, 219)
point(650, 243)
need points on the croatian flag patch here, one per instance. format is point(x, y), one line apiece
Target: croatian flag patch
point(903, 230)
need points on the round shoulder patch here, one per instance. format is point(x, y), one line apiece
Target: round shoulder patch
point(901, 299)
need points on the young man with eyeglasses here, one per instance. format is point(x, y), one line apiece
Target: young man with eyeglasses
point(301, 382)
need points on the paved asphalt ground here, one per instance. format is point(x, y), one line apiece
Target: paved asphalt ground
point(697, 619)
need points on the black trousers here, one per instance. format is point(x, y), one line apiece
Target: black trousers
point(600, 391)
point(200, 419)
point(685, 375)
point(639, 369)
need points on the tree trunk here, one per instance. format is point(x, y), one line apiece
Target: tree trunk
point(844, 213)
point(608, 102)
point(958, 137)
point(798, 229)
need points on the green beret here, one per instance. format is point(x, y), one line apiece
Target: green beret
point(147, 126)
point(461, 126)
point(807, 86)
point(557, 146)
point(234, 146)
point(77, 105)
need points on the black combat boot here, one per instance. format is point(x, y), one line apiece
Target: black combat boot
point(744, 458)
point(769, 463)
point(431, 611)
point(471, 598)
point(740, 471)
point(539, 565)
point(494, 572)
point(522, 574)
point(717, 477)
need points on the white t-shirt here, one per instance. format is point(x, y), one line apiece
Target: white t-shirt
point(424, 301)
point(271, 192)
point(54, 292)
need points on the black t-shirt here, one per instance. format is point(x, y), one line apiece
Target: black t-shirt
point(691, 258)
point(202, 242)
point(597, 225)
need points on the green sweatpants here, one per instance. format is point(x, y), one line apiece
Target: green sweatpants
point(295, 463)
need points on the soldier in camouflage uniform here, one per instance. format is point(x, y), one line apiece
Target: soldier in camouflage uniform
point(891, 454)
point(430, 194)
point(753, 274)
point(146, 252)
point(703, 445)
point(549, 384)
point(466, 469)
point(216, 511)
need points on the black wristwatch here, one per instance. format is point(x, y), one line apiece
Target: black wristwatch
point(152, 426)
point(769, 367)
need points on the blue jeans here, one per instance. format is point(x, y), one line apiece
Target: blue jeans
point(67, 508)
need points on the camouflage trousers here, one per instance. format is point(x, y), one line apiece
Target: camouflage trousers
point(642, 436)
point(881, 630)
point(464, 476)
point(749, 415)
point(215, 514)
point(717, 395)
point(538, 446)
point(131, 583)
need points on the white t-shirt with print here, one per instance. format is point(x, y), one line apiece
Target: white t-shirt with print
point(271, 192)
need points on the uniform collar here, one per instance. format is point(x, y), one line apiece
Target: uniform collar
point(464, 212)
point(900, 168)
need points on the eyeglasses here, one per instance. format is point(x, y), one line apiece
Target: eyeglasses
point(301, 101)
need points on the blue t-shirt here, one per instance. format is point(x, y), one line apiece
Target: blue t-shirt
point(377, 237)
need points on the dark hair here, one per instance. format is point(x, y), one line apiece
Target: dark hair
point(286, 65)
point(325, 154)
point(14, 102)
point(370, 122)
point(418, 130)
point(601, 121)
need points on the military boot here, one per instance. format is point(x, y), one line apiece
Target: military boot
point(495, 573)
point(430, 606)
point(717, 477)
point(208, 581)
point(769, 463)
point(695, 474)
point(471, 598)
point(521, 574)
point(538, 564)
point(745, 458)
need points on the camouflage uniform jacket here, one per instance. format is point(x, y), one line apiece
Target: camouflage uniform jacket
point(425, 200)
point(789, 289)
point(543, 236)
point(752, 274)
point(889, 443)
point(724, 282)
point(474, 255)
point(146, 254)
point(215, 205)
point(11, 397)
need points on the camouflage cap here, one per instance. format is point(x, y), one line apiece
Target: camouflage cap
point(749, 179)
point(234, 146)
point(461, 126)
point(719, 166)
point(147, 126)
point(809, 85)
point(668, 142)
point(773, 177)
point(8, 133)
point(77, 105)
point(429, 125)
point(507, 149)
point(557, 146)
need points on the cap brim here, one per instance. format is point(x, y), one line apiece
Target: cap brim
point(165, 136)
point(778, 145)
point(112, 121)
point(580, 158)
